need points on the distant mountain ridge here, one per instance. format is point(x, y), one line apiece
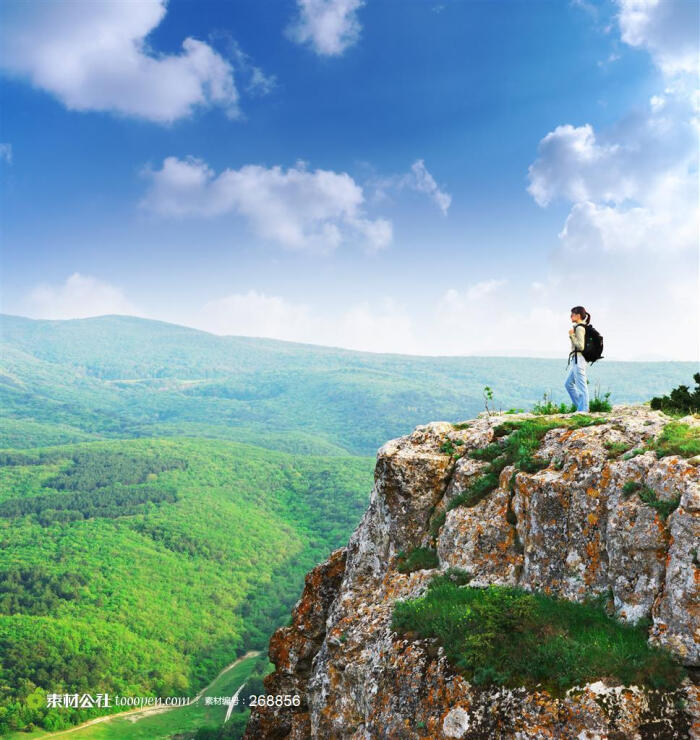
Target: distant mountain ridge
point(120, 376)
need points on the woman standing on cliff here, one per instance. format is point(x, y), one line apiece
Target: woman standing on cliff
point(576, 383)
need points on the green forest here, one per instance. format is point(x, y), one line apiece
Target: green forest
point(164, 491)
point(142, 566)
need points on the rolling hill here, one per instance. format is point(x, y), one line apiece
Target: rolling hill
point(117, 376)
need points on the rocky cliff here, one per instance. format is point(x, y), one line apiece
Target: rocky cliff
point(592, 507)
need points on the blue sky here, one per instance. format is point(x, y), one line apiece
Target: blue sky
point(422, 177)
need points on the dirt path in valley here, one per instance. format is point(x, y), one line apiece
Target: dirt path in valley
point(134, 715)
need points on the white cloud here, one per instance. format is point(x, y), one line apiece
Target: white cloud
point(573, 165)
point(303, 210)
point(250, 77)
point(584, 5)
point(261, 83)
point(642, 313)
point(93, 56)
point(633, 187)
point(328, 26)
point(666, 221)
point(257, 314)
point(386, 328)
point(80, 296)
point(667, 28)
point(6, 153)
point(644, 316)
point(480, 290)
point(630, 241)
point(418, 179)
point(483, 319)
point(424, 182)
point(383, 327)
point(645, 310)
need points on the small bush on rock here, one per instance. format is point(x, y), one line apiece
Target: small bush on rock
point(680, 401)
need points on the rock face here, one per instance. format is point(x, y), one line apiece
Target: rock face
point(571, 529)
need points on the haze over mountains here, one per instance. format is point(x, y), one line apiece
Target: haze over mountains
point(118, 376)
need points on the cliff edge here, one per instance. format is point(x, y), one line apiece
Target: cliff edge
point(571, 506)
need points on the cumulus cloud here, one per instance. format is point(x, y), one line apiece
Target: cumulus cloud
point(93, 56)
point(300, 209)
point(668, 222)
point(460, 317)
point(569, 166)
point(80, 296)
point(629, 305)
point(6, 153)
point(667, 28)
point(633, 186)
point(329, 27)
point(633, 195)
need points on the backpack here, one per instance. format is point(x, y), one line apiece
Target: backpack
point(592, 345)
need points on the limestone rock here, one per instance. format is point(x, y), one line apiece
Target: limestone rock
point(573, 529)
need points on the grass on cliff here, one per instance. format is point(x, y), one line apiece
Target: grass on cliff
point(678, 439)
point(547, 407)
point(507, 636)
point(649, 497)
point(522, 440)
point(417, 558)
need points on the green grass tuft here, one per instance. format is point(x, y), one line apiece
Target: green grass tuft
point(678, 439)
point(489, 453)
point(508, 636)
point(454, 576)
point(600, 403)
point(615, 449)
point(450, 447)
point(632, 486)
point(665, 508)
point(436, 522)
point(418, 558)
point(547, 407)
point(649, 497)
point(476, 492)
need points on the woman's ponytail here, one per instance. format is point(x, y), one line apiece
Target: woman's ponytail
point(581, 311)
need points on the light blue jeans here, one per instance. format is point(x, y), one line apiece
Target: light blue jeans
point(576, 384)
